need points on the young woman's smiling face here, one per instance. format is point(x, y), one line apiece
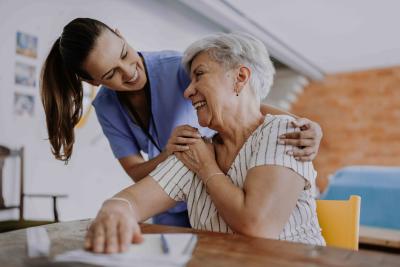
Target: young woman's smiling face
point(113, 63)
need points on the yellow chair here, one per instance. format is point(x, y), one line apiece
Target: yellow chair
point(340, 221)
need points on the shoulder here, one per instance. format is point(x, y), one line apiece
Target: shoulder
point(270, 130)
point(266, 149)
point(106, 104)
point(165, 56)
point(279, 123)
point(103, 96)
point(166, 66)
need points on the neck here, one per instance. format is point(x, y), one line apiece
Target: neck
point(236, 129)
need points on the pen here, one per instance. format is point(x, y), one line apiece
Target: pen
point(164, 244)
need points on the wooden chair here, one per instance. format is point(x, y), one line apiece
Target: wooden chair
point(340, 221)
point(21, 223)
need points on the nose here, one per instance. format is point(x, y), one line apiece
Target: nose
point(126, 71)
point(189, 91)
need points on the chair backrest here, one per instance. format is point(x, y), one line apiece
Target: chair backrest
point(340, 221)
point(18, 153)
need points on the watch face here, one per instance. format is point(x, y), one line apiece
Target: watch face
point(89, 91)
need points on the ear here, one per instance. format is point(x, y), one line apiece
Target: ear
point(242, 78)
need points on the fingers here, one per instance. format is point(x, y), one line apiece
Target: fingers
point(186, 159)
point(137, 234)
point(88, 239)
point(301, 122)
point(300, 143)
point(178, 148)
point(307, 158)
point(98, 238)
point(184, 140)
point(306, 134)
point(186, 131)
point(303, 152)
point(111, 244)
point(311, 126)
point(112, 236)
point(125, 236)
point(112, 230)
point(181, 137)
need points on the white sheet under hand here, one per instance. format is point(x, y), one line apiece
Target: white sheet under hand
point(149, 253)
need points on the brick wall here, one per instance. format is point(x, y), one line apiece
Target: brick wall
point(360, 116)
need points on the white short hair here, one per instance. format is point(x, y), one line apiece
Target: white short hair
point(233, 49)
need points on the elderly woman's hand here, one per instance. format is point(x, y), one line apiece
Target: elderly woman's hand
point(200, 158)
point(113, 230)
point(306, 142)
point(180, 138)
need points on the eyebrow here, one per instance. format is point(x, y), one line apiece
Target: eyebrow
point(122, 51)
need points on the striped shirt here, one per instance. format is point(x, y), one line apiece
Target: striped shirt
point(261, 148)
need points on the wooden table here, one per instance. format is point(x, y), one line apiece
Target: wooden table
point(380, 237)
point(213, 249)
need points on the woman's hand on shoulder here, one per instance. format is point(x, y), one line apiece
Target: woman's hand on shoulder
point(181, 137)
point(306, 142)
point(113, 229)
point(200, 158)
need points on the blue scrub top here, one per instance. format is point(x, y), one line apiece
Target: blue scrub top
point(168, 80)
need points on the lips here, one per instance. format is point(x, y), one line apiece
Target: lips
point(199, 104)
point(135, 76)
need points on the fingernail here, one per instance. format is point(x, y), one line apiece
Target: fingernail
point(281, 142)
point(290, 152)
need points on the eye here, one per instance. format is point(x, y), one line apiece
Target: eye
point(198, 74)
point(126, 54)
point(110, 76)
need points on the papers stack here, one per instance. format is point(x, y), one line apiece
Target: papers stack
point(152, 252)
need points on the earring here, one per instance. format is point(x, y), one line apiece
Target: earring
point(237, 91)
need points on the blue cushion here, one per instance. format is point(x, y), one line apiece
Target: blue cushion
point(379, 188)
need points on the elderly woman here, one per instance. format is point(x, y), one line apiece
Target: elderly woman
point(240, 181)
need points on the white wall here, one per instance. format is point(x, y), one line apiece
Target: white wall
point(92, 174)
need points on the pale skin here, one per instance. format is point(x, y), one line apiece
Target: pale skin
point(261, 208)
point(122, 69)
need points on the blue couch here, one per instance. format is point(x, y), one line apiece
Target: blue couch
point(379, 188)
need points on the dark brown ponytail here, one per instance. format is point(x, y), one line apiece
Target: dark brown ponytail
point(61, 87)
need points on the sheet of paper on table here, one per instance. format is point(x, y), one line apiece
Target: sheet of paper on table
point(147, 254)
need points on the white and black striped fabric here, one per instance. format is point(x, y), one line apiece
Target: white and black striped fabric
point(261, 148)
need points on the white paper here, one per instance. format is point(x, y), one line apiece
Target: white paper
point(149, 253)
point(38, 242)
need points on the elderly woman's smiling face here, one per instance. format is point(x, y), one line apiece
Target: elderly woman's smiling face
point(211, 89)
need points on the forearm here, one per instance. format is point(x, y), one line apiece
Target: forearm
point(267, 109)
point(147, 199)
point(140, 170)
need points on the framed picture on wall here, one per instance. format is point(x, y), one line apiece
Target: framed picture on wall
point(24, 104)
point(27, 44)
point(25, 74)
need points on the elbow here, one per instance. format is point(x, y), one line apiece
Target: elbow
point(257, 226)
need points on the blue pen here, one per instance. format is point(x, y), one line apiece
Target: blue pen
point(164, 244)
